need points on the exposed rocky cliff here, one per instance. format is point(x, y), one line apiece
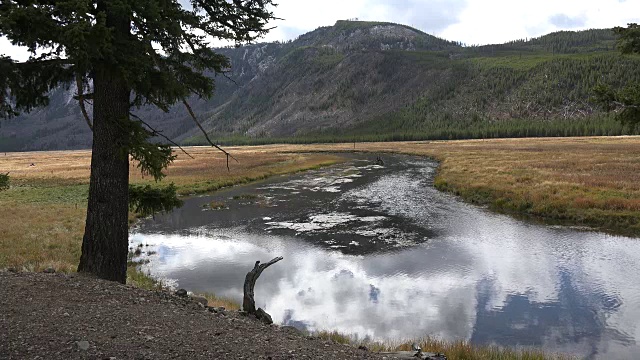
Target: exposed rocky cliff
point(364, 78)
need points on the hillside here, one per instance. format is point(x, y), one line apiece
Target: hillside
point(375, 81)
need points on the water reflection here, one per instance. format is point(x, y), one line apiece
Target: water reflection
point(466, 274)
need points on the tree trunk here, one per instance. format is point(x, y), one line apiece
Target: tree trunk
point(248, 302)
point(106, 237)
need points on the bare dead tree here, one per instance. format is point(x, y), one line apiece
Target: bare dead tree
point(248, 302)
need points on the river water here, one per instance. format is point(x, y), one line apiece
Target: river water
point(375, 251)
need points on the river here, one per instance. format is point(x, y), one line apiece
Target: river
point(375, 251)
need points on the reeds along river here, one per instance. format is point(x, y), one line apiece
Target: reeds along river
point(375, 251)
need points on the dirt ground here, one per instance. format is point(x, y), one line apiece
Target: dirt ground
point(59, 316)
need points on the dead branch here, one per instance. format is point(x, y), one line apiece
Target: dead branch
point(193, 116)
point(248, 302)
point(224, 73)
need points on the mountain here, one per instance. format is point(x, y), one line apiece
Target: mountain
point(376, 81)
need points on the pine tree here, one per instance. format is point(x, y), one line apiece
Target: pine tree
point(625, 100)
point(120, 54)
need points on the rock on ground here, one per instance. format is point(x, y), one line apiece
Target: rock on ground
point(58, 316)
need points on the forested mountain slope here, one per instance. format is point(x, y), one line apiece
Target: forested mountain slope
point(377, 81)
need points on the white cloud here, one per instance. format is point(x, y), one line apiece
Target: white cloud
point(300, 17)
point(497, 21)
point(469, 21)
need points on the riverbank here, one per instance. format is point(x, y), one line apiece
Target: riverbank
point(590, 181)
point(57, 315)
point(72, 316)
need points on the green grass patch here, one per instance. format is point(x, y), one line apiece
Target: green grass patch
point(66, 194)
point(527, 60)
point(245, 197)
point(4, 181)
point(141, 279)
point(214, 205)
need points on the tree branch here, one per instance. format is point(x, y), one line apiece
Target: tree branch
point(193, 116)
point(224, 73)
point(80, 86)
point(159, 133)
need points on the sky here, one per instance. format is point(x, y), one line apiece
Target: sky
point(473, 22)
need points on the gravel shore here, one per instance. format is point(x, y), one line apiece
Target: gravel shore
point(59, 316)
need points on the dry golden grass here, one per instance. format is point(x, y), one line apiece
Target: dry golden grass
point(208, 168)
point(454, 350)
point(34, 237)
point(219, 301)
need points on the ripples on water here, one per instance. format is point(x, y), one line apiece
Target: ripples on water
point(377, 252)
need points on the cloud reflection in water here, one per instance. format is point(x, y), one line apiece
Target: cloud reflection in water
point(479, 276)
point(563, 293)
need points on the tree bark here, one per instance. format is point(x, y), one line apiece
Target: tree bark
point(106, 238)
point(248, 302)
point(106, 235)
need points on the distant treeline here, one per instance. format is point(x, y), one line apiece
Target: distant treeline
point(593, 126)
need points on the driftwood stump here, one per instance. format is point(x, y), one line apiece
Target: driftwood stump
point(248, 302)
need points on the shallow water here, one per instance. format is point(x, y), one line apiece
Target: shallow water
point(376, 251)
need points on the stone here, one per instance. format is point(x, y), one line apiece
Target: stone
point(200, 299)
point(49, 270)
point(437, 356)
point(221, 310)
point(82, 345)
point(181, 292)
point(291, 329)
point(263, 316)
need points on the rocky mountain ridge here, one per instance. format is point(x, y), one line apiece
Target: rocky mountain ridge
point(361, 78)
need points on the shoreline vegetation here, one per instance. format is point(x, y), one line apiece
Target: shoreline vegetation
point(576, 181)
point(589, 182)
point(454, 350)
